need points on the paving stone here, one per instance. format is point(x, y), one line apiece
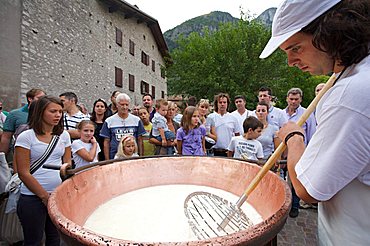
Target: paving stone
point(301, 230)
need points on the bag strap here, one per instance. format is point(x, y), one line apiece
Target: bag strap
point(37, 164)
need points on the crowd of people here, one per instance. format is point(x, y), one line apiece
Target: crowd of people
point(123, 130)
point(327, 167)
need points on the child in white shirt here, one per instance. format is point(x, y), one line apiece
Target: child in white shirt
point(85, 150)
point(246, 146)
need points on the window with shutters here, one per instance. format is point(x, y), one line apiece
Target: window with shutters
point(144, 87)
point(131, 82)
point(119, 37)
point(132, 47)
point(144, 58)
point(153, 91)
point(153, 65)
point(118, 77)
point(163, 72)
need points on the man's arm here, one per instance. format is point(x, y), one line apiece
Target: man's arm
point(140, 145)
point(5, 141)
point(74, 133)
point(106, 148)
point(296, 148)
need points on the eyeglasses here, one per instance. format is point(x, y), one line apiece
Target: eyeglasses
point(261, 110)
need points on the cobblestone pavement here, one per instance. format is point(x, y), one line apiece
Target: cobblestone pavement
point(300, 231)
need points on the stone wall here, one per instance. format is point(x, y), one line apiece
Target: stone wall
point(71, 46)
point(10, 53)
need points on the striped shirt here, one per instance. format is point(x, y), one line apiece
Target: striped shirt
point(70, 122)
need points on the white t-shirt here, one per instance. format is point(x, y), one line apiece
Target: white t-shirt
point(246, 149)
point(338, 155)
point(48, 179)
point(76, 146)
point(133, 155)
point(241, 117)
point(226, 128)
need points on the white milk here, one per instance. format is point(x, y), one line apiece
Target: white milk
point(154, 214)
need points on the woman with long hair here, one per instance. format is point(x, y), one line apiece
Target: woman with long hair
point(190, 137)
point(99, 114)
point(31, 144)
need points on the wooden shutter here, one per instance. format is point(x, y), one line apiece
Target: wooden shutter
point(131, 82)
point(153, 65)
point(118, 77)
point(119, 37)
point(132, 48)
point(153, 91)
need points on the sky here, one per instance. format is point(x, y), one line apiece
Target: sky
point(171, 13)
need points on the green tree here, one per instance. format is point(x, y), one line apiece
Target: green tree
point(228, 61)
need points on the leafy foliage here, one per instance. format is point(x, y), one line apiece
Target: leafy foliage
point(228, 61)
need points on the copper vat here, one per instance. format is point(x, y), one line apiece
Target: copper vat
point(76, 198)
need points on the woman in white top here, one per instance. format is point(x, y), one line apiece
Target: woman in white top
point(36, 188)
point(268, 138)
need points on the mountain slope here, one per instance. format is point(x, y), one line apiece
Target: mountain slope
point(210, 21)
point(266, 17)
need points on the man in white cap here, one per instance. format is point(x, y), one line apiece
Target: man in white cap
point(320, 37)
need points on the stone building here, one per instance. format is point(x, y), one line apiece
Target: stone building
point(90, 47)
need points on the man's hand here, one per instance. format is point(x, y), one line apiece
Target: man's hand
point(288, 128)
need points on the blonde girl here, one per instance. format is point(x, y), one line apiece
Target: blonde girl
point(211, 138)
point(86, 149)
point(191, 136)
point(127, 147)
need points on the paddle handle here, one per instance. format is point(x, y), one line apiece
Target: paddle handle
point(280, 149)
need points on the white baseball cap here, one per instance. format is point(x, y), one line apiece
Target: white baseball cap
point(291, 16)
